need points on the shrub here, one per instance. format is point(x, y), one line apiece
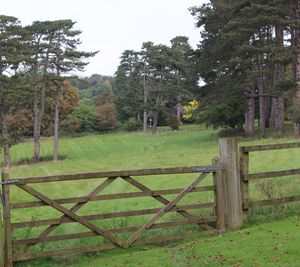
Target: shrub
point(85, 113)
point(105, 117)
point(71, 124)
point(132, 125)
point(173, 122)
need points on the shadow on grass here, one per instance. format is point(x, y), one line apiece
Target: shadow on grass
point(29, 161)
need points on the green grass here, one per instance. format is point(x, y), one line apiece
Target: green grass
point(266, 245)
point(123, 151)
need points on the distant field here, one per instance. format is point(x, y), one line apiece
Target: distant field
point(121, 151)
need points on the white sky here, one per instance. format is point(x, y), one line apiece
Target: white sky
point(111, 26)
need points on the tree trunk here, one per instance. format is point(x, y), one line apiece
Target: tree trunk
point(278, 107)
point(178, 110)
point(274, 107)
point(262, 99)
point(146, 92)
point(280, 125)
point(56, 125)
point(155, 116)
point(38, 112)
point(249, 117)
point(145, 121)
point(36, 132)
point(6, 147)
point(296, 98)
point(268, 102)
point(6, 153)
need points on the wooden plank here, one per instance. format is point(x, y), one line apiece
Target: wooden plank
point(233, 204)
point(32, 204)
point(244, 170)
point(120, 214)
point(64, 252)
point(74, 209)
point(71, 214)
point(8, 260)
point(269, 202)
point(219, 196)
point(161, 199)
point(114, 231)
point(93, 175)
point(168, 207)
point(273, 174)
point(269, 147)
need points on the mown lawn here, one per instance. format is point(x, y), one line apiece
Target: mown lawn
point(264, 245)
point(189, 147)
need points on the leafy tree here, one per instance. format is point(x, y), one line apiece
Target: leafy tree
point(12, 39)
point(243, 55)
point(63, 58)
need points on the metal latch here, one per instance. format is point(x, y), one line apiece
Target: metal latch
point(11, 181)
point(208, 168)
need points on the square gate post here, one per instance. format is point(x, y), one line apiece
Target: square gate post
point(8, 260)
point(219, 195)
point(232, 185)
point(1, 236)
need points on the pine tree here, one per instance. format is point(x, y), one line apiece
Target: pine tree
point(12, 54)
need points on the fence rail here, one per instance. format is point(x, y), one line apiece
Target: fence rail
point(246, 176)
point(70, 215)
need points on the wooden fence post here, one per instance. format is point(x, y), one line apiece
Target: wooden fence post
point(1, 236)
point(8, 261)
point(232, 185)
point(219, 195)
point(244, 171)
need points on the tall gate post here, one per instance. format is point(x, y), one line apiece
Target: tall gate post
point(8, 261)
point(232, 185)
point(1, 239)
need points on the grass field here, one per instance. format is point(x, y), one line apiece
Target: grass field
point(191, 146)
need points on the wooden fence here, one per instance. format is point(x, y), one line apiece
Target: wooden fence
point(12, 246)
point(230, 190)
point(246, 176)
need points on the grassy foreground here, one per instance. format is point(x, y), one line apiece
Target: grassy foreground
point(265, 245)
point(192, 146)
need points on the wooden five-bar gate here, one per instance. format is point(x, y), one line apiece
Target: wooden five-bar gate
point(20, 249)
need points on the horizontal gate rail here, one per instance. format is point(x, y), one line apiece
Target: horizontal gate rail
point(111, 215)
point(121, 230)
point(32, 204)
point(92, 175)
point(63, 252)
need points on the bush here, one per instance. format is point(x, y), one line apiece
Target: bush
point(230, 132)
point(132, 125)
point(85, 114)
point(173, 122)
point(105, 117)
point(71, 124)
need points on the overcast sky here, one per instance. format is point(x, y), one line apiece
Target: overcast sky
point(112, 26)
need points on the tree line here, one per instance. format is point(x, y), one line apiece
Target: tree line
point(153, 84)
point(249, 60)
point(34, 64)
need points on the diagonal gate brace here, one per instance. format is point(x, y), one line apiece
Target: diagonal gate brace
point(165, 209)
point(71, 213)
